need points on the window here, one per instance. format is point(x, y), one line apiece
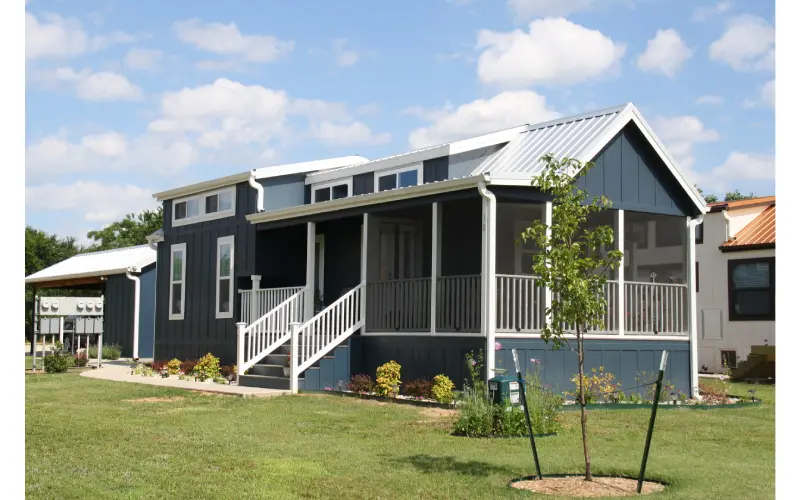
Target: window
point(332, 190)
point(398, 178)
point(205, 206)
point(698, 234)
point(727, 359)
point(177, 281)
point(751, 289)
point(225, 277)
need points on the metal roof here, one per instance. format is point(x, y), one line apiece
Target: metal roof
point(566, 137)
point(718, 206)
point(96, 264)
point(759, 233)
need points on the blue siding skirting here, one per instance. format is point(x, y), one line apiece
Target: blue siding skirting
point(330, 371)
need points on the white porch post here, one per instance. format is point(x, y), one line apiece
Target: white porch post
point(364, 257)
point(435, 259)
point(240, 348)
point(691, 298)
point(620, 230)
point(489, 287)
point(256, 279)
point(311, 263)
point(548, 293)
point(61, 329)
point(293, 375)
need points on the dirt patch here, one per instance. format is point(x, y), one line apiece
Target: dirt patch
point(575, 486)
point(155, 400)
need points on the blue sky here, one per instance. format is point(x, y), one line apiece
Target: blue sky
point(125, 99)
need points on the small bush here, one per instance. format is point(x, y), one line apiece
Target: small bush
point(509, 421)
point(59, 360)
point(442, 390)
point(220, 380)
point(111, 352)
point(174, 366)
point(228, 372)
point(543, 404)
point(207, 367)
point(80, 360)
point(475, 414)
point(158, 366)
point(187, 367)
point(387, 379)
point(361, 383)
point(599, 387)
point(143, 370)
point(419, 388)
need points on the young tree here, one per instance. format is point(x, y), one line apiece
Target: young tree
point(571, 265)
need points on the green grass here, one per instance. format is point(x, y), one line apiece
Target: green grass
point(86, 438)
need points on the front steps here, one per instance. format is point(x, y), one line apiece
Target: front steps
point(760, 364)
point(268, 373)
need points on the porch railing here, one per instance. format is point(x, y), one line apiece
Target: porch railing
point(608, 318)
point(256, 303)
point(458, 304)
point(520, 304)
point(656, 308)
point(399, 305)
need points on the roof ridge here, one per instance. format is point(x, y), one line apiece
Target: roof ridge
point(581, 116)
point(111, 250)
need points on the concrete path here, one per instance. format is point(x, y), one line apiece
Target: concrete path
point(120, 371)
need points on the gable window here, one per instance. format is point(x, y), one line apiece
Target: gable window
point(399, 178)
point(751, 289)
point(225, 277)
point(204, 206)
point(332, 190)
point(177, 281)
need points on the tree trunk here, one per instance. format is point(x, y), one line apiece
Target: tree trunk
point(582, 401)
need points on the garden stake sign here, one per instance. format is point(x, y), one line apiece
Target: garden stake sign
point(527, 415)
point(656, 396)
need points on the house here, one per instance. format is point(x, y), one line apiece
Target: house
point(413, 257)
point(736, 281)
point(127, 279)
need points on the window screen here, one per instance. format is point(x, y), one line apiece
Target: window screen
point(751, 284)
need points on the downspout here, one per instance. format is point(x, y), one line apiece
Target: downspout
point(154, 246)
point(490, 289)
point(692, 295)
point(259, 188)
point(135, 280)
point(727, 225)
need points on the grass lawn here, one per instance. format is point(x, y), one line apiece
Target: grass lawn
point(95, 439)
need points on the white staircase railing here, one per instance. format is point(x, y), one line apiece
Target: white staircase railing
point(268, 332)
point(321, 334)
point(256, 303)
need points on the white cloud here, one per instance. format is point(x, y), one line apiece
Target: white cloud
point(58, 37)
point(680, 134)
point(524, 10)
point(101, 42)
point(546, 55)
point(737, 168)
point(347, 134)
point(765, 98)
point(91, 201)
point(505, 110)
point(345, 58)
point(710, 99)
point(368, 109)
point(226, 39)
point(701, 14)
point(89, 86)
point(747, 45)
point(142, 59)
point(665, 54)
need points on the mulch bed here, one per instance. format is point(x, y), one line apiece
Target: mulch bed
point(575, 486)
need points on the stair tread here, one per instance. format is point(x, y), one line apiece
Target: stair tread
point(269, 376)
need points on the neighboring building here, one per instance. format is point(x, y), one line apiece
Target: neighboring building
point(736, 281)
point(413, 258)
point(118, 274)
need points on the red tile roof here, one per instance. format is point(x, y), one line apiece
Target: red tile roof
point(733, 205)
point(760, 232)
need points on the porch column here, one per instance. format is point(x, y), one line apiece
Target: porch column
point(436, 235)
point(548, 294)
point(254, 312)
point(488, 300)
point(364, 257)
point(691, 298)
point(311, 262)
point(621, 309)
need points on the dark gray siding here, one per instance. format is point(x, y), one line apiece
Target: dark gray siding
point(200, 332)
point(118, 316)
point(630, 174)
point(283, 192)
point(364, 183)
point(147, 313)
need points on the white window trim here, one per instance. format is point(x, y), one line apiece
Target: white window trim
point(225, 240)
point(338, 182)
point(399, 170)
point(172, 250)
point(202, 217)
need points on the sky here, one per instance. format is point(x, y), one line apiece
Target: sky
point(125, 99)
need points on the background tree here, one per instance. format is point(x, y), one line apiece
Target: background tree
point(736, 196)
point(572, 265)
point(710, 198)
point(132, 230)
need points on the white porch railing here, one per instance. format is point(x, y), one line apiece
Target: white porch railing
point(256, 303)
point(520, 304)
point(268, 332)
point(656, 308)
point(458, 304)
point(319, 335)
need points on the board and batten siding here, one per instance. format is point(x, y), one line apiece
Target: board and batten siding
point(119, 306)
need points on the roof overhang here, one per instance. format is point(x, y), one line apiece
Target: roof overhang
point(66, 280)
point(744, 248)
point(202, 186)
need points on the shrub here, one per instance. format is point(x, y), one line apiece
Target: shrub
point(58, 361)
point(80, 360)
point(509, 420)
point(111, 351)
point(361, 383)
point(143, 370)
point(599, 387)
point(174, 366)
point(442, 390)
point(207, 367)
point(419, 388)
point(220, 380)
point(475, 414)
point(228, 372)
point(543, 404)
point(387, 379)
point(158, 366)
point(187, 367)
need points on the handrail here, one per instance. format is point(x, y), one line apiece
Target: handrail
point(258, 302)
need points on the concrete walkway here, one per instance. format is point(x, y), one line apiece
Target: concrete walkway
point(120, 371)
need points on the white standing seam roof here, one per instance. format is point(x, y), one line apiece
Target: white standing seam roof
point(567, 137)
point(93, 264)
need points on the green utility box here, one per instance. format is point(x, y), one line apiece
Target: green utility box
point(504, 388)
